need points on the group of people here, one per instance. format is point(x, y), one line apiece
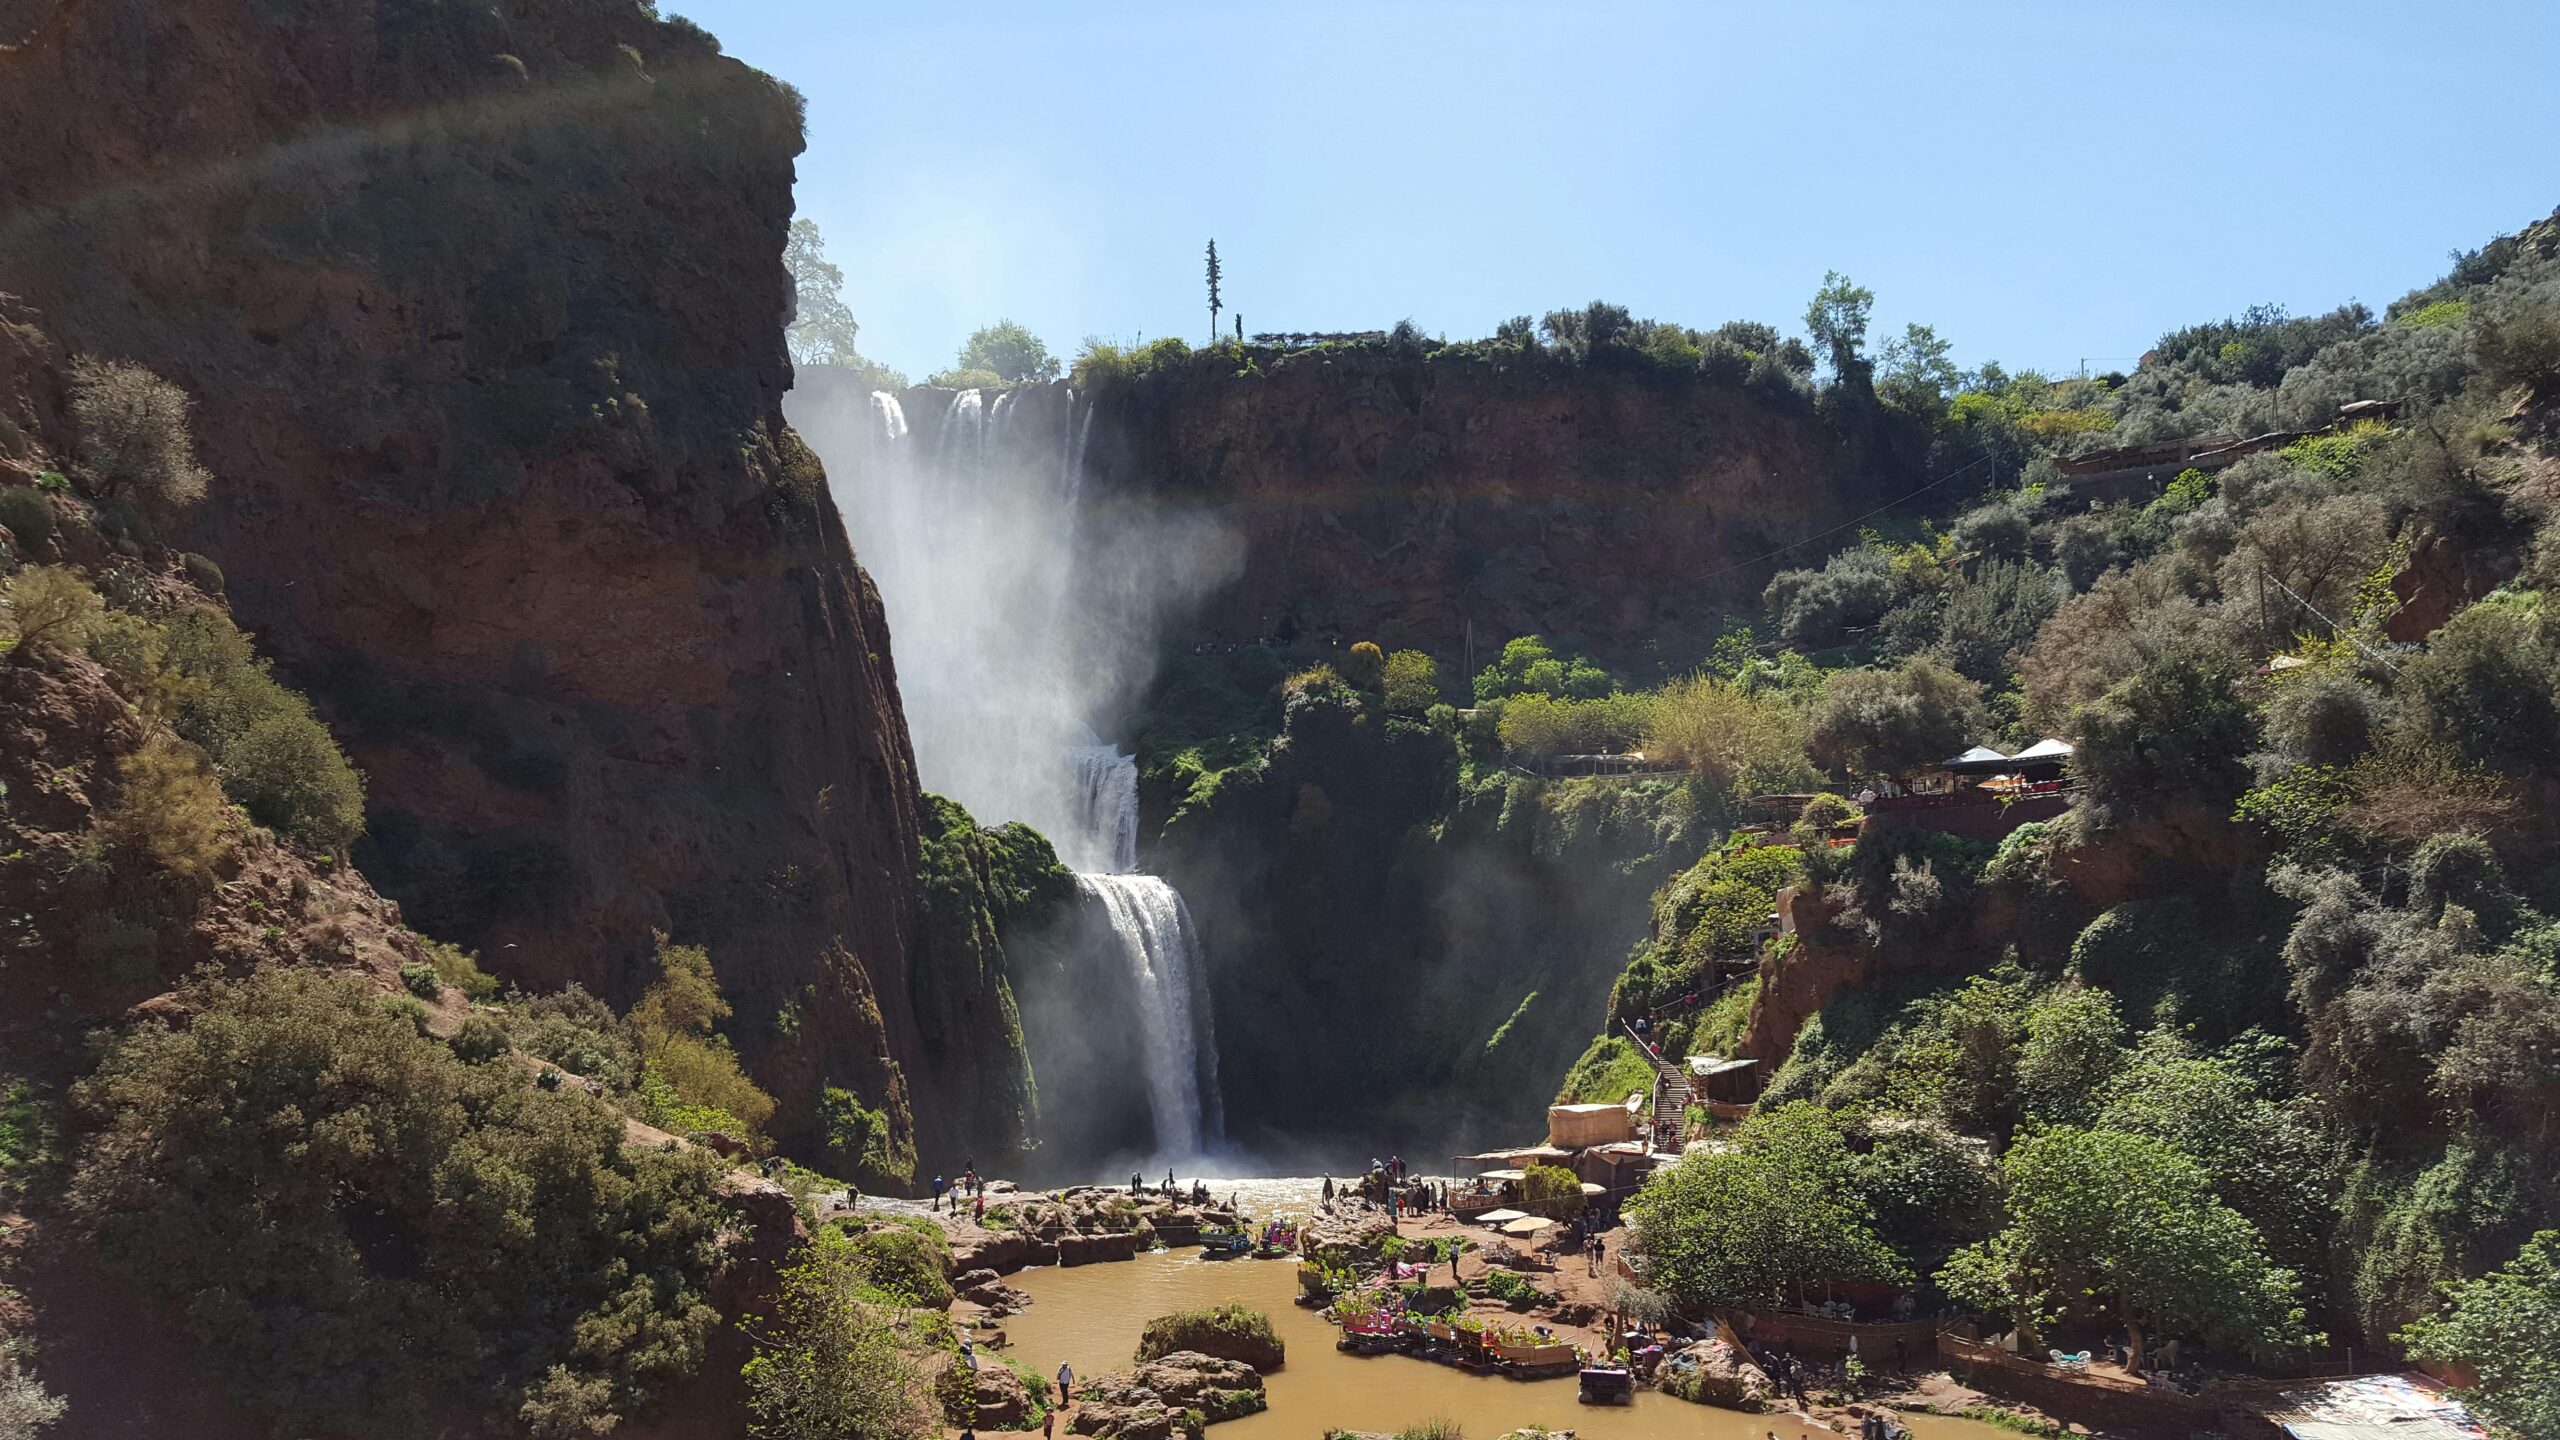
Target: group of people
point(970, 1184)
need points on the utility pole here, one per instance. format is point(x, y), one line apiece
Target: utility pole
point(1214, 306)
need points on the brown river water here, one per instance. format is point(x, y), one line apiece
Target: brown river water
point(1090, 1317)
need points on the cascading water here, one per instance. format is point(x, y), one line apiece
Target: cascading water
point(1015, 619)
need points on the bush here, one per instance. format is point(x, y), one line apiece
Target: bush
point(832, 1359)
point(479, 1039)
point(1893, 722)
point(1556, 1191)
point(460, 969)
point(28, 517)
point(134, 434)
point(170, 811)
point(2176, 731)
point(421, 980)
point(1227, 1332)
point(1541, 725)
point(1364, 666)
point(202, 573)
point(1412, 681)
point(2519, 342)
point(1530, 664)
point(907, 1260)
point(1815, 609)
point(690, 1076)
point(49, 604)
point(579, 1033)
point(364, 1231)
point(1748, 742)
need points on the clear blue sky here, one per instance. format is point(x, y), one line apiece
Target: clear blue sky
point(2042, 182)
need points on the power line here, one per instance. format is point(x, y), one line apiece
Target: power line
point(1845, 524)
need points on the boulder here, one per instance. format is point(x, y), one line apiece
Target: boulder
point(1094, 1249)
point(1157, 1400)
point(1000, 1252)
point(1716, 1372)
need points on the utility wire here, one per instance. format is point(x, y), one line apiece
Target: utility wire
point(1845, 524)
point(2367, 651)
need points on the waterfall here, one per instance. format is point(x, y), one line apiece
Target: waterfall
point(1017, 623)
point(1176, 1048)
point(1106, 809)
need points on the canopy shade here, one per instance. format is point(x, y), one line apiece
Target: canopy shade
point(1503, 1175)
point(1501, 1217)
point(2046, 749)
point(1527, 1225)
point(1980, 757)
point(1704, 1066)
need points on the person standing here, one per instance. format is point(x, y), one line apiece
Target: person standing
point(1328, 1189)
point(937, 1194)
point(1066, 1382)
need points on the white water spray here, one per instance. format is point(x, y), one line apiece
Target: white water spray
point(1019, 619)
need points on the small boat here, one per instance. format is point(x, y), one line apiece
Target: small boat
point(1222, 1246)
point(1608, 1385)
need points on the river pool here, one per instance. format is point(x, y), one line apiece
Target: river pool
point(1090, 1317)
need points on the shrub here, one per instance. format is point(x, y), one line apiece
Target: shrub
point(689, 1075)
point(460, 969)
point(1530, 664)
point(2519, 341)
point(28, 517)
point(1227, 1332)
point(579, 1033)
point(1817, 608)
point(170, 809)
point(1364, 666)
point(25, 1406)
point(1553, 1188)
point(479, 1039)
point(1412, 681)
point(362, 1230)
point(1750, 742)
point(134, 434)
point(831, 1359)
point(2176, 731)
point(907, 1260)
point(48, 604)
point(1539, 724)
point(202, 573)
point(420, 978)
point(1892, 722)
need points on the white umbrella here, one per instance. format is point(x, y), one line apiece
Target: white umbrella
point(1501, 1217)
point(1527, 1225)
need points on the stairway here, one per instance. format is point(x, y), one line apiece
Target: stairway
point(1672, 1095)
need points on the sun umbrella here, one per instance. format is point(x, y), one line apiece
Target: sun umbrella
point(1527, 1225)
point(1501, 1217)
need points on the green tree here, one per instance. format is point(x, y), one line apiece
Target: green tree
point(364, 1230)
point(1894, 722)
point(1011, 351)
point(1214, 305)
point(833, 1357)
point(2504, 1326)
point(134, 433)
point(822, 327)
point(2072, 1050)
point(1412, 681)
point(1530, 664)
point(1363, 666)
point(1776, 1210)
point(2177, 730)
point(2106, 1225)
point(1918, 376)
point(1837, 321)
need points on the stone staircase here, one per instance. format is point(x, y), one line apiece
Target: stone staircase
point(1672, 1093)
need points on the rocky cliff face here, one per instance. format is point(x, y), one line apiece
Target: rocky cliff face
point(1450, 505)
point(482, 307)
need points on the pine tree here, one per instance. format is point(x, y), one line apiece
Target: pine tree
point(1214, 306)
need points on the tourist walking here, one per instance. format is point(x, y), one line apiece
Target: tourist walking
point(1597, 1247)
point(1066, 1382)
point(937, 1194)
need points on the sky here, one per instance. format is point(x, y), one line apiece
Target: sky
point(2046, 184)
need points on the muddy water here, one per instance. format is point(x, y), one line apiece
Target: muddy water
point(1091, 1316)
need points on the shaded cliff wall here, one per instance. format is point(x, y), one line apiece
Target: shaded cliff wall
point(1400, 961)
point(1449, 504)
point(483, 307)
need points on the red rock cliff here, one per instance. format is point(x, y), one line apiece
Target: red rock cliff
point(482, 306)
point(1449, 504)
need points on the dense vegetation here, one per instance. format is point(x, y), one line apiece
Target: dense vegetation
point(352, 1217)
point(2288, 1075)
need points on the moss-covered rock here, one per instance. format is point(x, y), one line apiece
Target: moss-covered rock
point(1229, 1332)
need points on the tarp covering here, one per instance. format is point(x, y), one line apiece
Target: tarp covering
point(2046, 749)
point(1980, 757)
point(1703, 1066)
